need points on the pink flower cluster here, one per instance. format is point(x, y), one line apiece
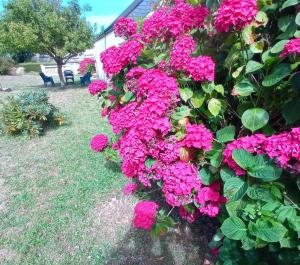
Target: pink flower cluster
point(292, 47)
point(114, 59)
point(99, 142)
point(174, 21)
point(144, 214)
point(85, 64)
point(197, 136)
point(97, 87)
point(189, 216)
point(130, 188)
point(284, 148)
point(201, 68)
point(125, 27)
point(236, 14)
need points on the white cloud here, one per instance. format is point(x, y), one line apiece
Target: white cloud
point(102, 20)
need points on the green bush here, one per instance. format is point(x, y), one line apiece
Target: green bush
point(31, 67)
point(28, 113)
point(6, 64)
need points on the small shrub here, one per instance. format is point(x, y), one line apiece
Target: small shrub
point(5, 65)
point(28, 113)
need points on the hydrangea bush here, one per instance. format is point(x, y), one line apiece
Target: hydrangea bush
point(203, 97)
point(87, 65)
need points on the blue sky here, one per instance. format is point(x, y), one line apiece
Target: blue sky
point(104, 12)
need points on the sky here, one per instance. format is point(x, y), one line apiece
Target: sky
point(104, 12)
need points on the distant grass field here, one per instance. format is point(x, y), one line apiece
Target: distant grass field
point(62, 204)
point(31, 67)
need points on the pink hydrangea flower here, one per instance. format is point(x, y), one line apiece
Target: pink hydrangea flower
point(99, 142)
point(180, 55)
point(125, 27)
point(144, 214)
point(236, 14)
point(179, 181)
point(85, 63)
point(292, 47)
point(211, 209)
point(197, 136)
point(201, 68)
point(130, 188)
point(97, 86)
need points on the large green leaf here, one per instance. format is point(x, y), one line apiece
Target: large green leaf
point(253, 66)
point(234, 228)
point(198, 99)
point(291, 111)
point(244, 88)
point(214, 106)
point(258, 193)
point(297, 20)
point(235, 188)
point(243, 158)
point(186, 93)
point(289, 3)
point(280, 72)
point(226, 134)
point(268, 231)
point(278, 47)
point(227, 173)
point(255, 119)
point(181, 113)
point(284, 22)
point(286, 212)
point(265, 173)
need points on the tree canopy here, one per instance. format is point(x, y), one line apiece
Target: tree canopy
point(46, 27)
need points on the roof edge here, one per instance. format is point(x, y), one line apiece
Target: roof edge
point(125, 13)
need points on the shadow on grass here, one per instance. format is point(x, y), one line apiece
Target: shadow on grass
point(113, 166)
point(185, 244)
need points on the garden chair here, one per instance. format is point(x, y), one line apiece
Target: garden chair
point(47, 79)
point(86, 79)
point(69, 75)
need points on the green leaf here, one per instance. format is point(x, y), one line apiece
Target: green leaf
point(214, 106)
point(253, 66)
point(238, 71)
point(226, 134)
point(181, 113)
point(280, 72)
point(235, 188)
point(286, 212)
point(234, 207)
point(291, 111)
point(150, 162)
point(206, 176)
point(208, 87)
point(248, 243)
point(257, 47)
point(243, 158)
point(220, 89)
point(279, 46)
point(216, 158)
point(127, 97)
point(226, 174)
point(259, 193)
point(186, 93)
point(234, 228)
point(198, 99)
point(255, 119)
point(268, 231)
point(244, 88)
point(297, 19)
point(265, 173)
point(289, 3)
point(284, 22)
point(262, 18)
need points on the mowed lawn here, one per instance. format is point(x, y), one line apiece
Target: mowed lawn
point(60, 203)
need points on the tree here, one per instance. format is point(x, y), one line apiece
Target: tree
point(47, 27)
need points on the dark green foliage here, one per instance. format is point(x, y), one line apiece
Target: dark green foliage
point(28, 113)
point(6, 64)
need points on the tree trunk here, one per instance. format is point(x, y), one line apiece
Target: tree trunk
point(60, 73)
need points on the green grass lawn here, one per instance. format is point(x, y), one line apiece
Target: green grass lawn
point(51, 183)
point(60, 203)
